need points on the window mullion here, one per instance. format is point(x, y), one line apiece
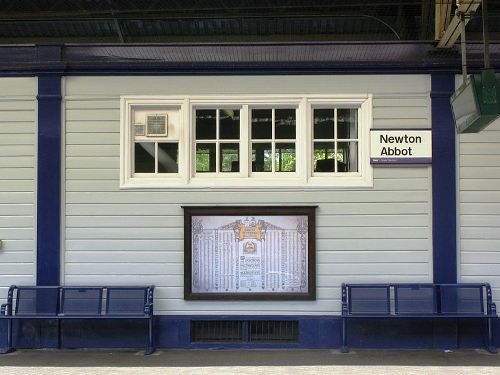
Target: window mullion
point(156, 157)
point(335, 144)
point(244, 141)
point(273, 144)
point(217, 141)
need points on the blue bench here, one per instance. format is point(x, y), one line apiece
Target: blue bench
point(417, 301)
point(78, 302)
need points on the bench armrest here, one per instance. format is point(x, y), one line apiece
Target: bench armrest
point(6, 308)
point(148, 309)
point(490, 305)
point(344, 300)
point(492, 309)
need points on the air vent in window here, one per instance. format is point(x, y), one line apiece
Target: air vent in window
point(140, 129)
point(156, 125)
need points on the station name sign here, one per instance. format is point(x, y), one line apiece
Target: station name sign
point(407, 146)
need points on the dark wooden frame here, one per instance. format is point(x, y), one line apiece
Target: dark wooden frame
point(309, 211)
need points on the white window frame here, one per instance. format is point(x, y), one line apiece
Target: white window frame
point(303, 177)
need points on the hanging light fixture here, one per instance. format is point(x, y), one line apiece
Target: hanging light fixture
point(476, 103)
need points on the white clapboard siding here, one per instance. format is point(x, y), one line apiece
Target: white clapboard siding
point(115, 236)
point(479, 208)
point(17, 182)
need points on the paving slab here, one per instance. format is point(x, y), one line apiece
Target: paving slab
point(242, 362)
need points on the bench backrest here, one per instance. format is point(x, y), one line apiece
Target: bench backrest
point(367, 299)
point(417, 299)
point(37, 301)
point(467, 299)
point(126, 301)
point(79, 301)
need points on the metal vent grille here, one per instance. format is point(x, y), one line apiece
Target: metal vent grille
point(273, 331)
point(140, 129)
point(245, 331)
point(156, 125)
point(216, 331)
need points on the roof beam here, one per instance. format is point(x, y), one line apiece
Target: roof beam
point(452, 31)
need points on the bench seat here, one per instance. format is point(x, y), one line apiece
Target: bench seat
point(79, 302)
point(423, 300)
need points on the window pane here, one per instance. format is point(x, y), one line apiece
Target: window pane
point(229, 124)
point(262, 120)
point(347, 156)
point(347, 123)
point(285, 123)
point(205, 157)
point(206, 124)
point(285, 157)
point(324, 157)
point(229, 157)
point(324, 124)
point(262, 160)
point(168, 158)
point(144, 157)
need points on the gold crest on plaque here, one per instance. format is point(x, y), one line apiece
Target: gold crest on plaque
point(250, 229)
point(250, 247)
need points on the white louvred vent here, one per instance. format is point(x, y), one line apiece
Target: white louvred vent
point(139, 129)
point(156, 125)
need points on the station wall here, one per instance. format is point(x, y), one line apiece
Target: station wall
point(17, 182)
point(479, 207)
point(112, 236)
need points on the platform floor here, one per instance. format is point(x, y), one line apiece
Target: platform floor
point(242, 362)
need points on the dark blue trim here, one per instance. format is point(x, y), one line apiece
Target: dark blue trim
point(444, 201)
point(49, 179)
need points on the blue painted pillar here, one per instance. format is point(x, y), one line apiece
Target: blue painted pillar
point(444, 200)
point(49, 177)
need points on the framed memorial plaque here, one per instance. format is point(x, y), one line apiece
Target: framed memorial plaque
point(251, 253)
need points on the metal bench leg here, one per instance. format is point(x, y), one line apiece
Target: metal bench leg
point(150, 349)
point(490, 346)
point(9, 348)
point(344, 348)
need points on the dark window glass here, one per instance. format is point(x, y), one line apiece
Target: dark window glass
point(324, 157)
point(206, 124)
point(324, 121)
point(229, 157)
point(284, 120)
point(347, 156)
point(262, 160)
point(144, 157)
point(229, 124)
point(168, 157)
point(285, 157)
point(347, 123)
point(262, 122)
point(205, 157)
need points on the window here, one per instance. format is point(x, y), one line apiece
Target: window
point(289, 141)
point(217, 133)
point(335, 140)
point(273, 137)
